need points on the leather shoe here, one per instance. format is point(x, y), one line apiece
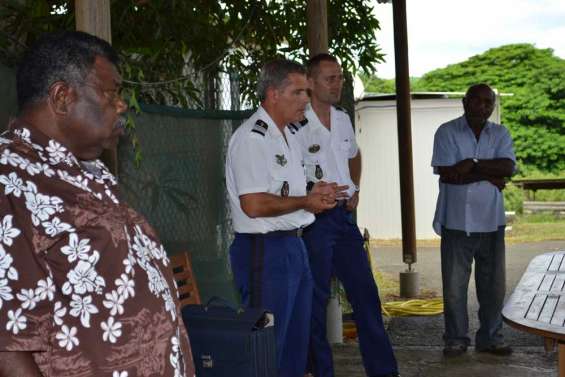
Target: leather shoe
point(499, 350)
point(454, 350)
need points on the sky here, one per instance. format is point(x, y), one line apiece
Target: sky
point(442, 32)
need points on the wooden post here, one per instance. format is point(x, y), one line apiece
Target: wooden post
point(404, 132)
point(93, 17)
point(561, 359)
point(317, 26)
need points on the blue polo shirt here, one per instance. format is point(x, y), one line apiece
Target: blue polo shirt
point(478, 206)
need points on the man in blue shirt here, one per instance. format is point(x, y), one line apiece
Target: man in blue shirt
point(473, 157)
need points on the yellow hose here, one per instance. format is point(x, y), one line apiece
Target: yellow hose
point(404, 308)
point(424, 307)
point(427, 307)
point(432, 306)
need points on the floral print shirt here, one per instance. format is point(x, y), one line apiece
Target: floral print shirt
point(85, 284)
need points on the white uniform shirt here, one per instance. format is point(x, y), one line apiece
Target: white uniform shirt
point(326, 152)
point(260, 161)
point(478, 206)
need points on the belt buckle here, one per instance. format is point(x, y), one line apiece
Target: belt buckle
point(299, 232)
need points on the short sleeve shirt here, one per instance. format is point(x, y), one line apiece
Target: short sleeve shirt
point(478, 206)
point(259, 160)
point(85, 283)
point(326, 152)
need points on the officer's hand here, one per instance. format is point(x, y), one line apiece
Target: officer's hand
point(332, 190)
point(316, 202)
point(352, 202)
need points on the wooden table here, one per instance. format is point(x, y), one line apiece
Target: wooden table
point(537, 304)
point(540, 184)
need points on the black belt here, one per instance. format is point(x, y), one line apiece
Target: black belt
point(341, 203)
point(279, 233)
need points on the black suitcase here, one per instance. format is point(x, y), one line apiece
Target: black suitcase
point(230, 342)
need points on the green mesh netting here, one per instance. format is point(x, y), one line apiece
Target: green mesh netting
point(180, 186)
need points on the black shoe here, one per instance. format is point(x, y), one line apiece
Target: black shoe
point(499, 350)
point(454, 350)
point(395, 374)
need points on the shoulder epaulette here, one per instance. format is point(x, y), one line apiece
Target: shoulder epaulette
point(260, 127)
point(341, 109)
point(295, 127)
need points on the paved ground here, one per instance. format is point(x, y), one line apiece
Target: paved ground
point(417, 340)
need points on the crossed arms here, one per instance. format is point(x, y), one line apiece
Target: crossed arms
point(467, 171)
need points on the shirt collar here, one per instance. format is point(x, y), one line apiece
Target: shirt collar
point(53, 152)
point(486, 127)
point(313, 120)
point(272, 130)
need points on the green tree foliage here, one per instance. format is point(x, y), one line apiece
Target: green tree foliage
point(188, 43)
point(535, 113)
point(374, 84)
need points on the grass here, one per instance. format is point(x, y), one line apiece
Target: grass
point(536, 228)
point(525, 228)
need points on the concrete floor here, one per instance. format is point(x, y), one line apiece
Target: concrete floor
point(418, 340)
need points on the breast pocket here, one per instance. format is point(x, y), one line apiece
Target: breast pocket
point(314, 168)
point(279, 181)
point(487, 150)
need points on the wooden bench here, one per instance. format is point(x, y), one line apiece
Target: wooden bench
point(558, 208)
point(537, 304)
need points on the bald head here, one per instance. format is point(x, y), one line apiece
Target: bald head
point(474, 90)
point(478, 104)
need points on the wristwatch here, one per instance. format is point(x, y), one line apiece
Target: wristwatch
point(475, 161)
point(357, 189)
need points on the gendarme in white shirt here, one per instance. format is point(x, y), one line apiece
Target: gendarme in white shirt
point(326, 152)
point(259, 160)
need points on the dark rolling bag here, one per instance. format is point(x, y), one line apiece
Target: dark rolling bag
point(230, 342)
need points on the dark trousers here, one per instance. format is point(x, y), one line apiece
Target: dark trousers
point(458, 250)
point(272, 272)
point(335, 245)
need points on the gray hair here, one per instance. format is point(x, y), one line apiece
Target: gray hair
point(61, 56)
point(275, 75)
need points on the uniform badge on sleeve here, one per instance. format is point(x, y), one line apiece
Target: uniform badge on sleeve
point(295, 127)
point(260, 127)
point(281, 159)
point(285, 189)
point(341, 109)
point(314, 148)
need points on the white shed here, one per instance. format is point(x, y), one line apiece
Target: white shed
point(379, 205)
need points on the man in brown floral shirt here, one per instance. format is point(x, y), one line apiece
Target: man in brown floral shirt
point(85, 285)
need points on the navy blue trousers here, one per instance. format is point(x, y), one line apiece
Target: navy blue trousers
point(272, 272)
point(335, 246)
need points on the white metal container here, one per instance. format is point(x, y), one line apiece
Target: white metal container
point(379, 205)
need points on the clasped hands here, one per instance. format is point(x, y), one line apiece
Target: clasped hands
point(325, 195)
